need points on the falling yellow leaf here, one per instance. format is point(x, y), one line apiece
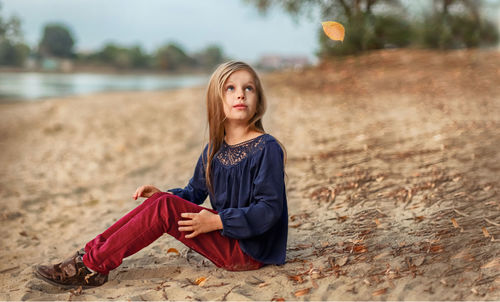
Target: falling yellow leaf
point(172, 250)
point(377, 222)
point(485, 232)
point(302, 292)
point(455, 223)
point(334, 30)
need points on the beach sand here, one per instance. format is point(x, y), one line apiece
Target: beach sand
point(392, 182)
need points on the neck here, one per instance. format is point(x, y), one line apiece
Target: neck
point(238, 133)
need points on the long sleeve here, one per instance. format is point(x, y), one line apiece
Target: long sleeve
point(196, 190)
point(266, 208)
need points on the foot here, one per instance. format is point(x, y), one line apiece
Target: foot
point(71, 273)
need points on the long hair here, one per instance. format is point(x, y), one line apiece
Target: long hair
point(215, 111)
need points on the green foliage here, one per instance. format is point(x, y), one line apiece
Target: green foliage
point(138, 58)
point(377, 24)
point(445, 31)
point(120, 57)
point(13, 52)
point(172, 57)
point(367, 32)
point(209, 57)
point(57, 41)
point(392, 31)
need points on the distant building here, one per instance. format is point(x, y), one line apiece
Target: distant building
point(498, 24)
point(273, 62)
point(56, 64)
point(31, 63)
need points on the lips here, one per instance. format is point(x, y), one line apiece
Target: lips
point(240, 106)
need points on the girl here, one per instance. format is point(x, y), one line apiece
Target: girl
point(248, 224)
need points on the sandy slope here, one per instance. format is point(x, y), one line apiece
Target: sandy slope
point(392, 185)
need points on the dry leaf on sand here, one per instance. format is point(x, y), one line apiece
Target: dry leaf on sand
point(302, 292)
point(200, 281)
point(380, 292)
point(485, 232)
point(172, 250)
point(493, 263)
point(342, 261)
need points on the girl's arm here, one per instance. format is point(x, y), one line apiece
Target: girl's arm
point(269, 199)
point(196, 190)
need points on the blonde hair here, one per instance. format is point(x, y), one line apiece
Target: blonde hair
point(215, 111)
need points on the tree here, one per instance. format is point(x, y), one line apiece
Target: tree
point(457, 24)
point(344, 10)
point(57, 41)
point(375, 24)
point(209, 57)
point(367, 28)
point(138, 58)
point(13, 52)
point(114, 55)
point(172, 57)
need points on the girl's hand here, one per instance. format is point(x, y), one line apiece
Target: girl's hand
point(199, 223)
point(145, 191)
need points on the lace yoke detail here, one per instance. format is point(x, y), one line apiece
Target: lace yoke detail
point(232, 154)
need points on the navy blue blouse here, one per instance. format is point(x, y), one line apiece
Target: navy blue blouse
point(250, 196)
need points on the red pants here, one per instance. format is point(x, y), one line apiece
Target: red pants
point(157, 215)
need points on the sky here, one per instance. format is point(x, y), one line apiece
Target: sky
point(236, 26)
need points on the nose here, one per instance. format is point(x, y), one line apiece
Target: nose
point(241, 94)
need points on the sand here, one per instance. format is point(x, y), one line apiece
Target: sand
point(393, 178)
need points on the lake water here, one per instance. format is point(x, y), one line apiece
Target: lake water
point(31, 86)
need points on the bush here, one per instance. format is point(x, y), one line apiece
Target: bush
point(13, 54)
point(392, 31)
point(446, 31)
point(368, 32)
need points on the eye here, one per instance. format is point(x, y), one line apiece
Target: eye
point(230, 88)
point(249, 88)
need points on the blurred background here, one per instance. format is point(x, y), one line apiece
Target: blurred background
point(55, 48)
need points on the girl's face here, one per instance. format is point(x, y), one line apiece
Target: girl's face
point(239, 97)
